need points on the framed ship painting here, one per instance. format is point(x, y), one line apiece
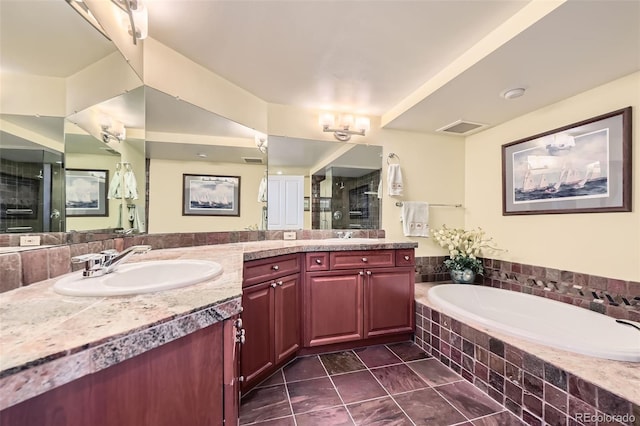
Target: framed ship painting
point(86, 192)
point(584, 167)
point(206, 195)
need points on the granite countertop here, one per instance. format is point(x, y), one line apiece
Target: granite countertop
point(619, 377)
point(47, 340)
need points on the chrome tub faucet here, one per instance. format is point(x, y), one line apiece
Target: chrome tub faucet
point(107, 261)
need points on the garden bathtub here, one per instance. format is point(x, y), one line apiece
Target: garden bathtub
point(540, 320)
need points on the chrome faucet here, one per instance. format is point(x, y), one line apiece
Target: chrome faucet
point(107, 261)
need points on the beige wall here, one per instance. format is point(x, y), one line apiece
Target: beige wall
point(433, 171)
point(165, 197)
point(605, 244)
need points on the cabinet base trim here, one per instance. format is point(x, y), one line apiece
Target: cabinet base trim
point(343, 346)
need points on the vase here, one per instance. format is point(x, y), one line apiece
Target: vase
point(462, 276)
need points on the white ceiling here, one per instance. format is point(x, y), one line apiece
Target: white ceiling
point(359, 56)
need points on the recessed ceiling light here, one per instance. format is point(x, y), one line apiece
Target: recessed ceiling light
point(202, 155)
point(513, 93)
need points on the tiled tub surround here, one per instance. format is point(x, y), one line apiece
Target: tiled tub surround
point(24, 267)
point(616, 298)
point(542, 385)
point(48, 340)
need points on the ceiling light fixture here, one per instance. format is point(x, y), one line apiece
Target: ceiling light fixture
point(262, 142)
point(138, 18)
point(345, 122)
point(513, 93)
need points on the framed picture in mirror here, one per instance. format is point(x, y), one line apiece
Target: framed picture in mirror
point(86, 192)
point(208, 195)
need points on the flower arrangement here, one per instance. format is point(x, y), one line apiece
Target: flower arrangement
point(464, 247)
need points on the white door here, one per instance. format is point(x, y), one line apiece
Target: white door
point(285, 202)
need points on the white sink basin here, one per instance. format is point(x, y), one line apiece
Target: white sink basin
point(143, 277)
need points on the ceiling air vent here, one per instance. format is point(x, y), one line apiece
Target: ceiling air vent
point(461, 127)
point(252, 160)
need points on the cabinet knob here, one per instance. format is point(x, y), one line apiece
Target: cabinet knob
point(407, 257)
point(241, 379)
point(275, 267)
point(319, 262)
point(280, 283)
point(273, 285)
point(368, 272)
point(238, 323)
point(360, 273)
point(364, 259)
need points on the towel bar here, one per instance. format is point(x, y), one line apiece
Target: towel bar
point(400, 204)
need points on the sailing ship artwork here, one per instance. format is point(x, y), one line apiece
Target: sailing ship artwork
point(562, 166)
point(212, 195)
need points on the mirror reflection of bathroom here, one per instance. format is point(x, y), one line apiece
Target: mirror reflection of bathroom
point(31, 177)
point(340, 179)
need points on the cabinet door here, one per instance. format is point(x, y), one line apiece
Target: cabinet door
point(231, 370)
point(179, 383)
point(257, 317)
point(287, 317)
point(389, 305)
point(333, 307)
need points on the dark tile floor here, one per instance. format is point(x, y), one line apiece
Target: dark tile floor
point(396, 384)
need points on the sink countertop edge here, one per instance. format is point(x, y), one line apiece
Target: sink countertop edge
point(35, 318)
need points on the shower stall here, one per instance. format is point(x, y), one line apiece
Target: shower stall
point(31, 191)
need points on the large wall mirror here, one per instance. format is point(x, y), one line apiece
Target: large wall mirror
point(55, 171)
point(188, 146)
point(341, 180)
point(70, 92)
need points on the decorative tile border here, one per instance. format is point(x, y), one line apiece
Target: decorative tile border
point(534, 390)
point(612, 297)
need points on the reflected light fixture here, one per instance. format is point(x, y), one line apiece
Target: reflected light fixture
point(83, 10)
point(113, 130)
point(345, 123)
point(262, 142)
point(138, 18)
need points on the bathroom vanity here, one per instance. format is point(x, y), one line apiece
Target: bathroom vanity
point(172, 357)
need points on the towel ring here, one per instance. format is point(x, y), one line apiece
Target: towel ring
point(392, 155)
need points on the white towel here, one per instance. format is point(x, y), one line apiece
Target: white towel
point(394, 180)
point(114, 186)
point(130, 185)
point(415, 218)
point(262, 190)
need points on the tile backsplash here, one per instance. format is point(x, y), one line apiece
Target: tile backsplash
point(609, 296)
point(20, 268)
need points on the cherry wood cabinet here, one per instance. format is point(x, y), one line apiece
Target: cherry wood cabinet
point(271, 316)
point(362, 295)
point(389, 301)
point(333, 304)
point(181, 382)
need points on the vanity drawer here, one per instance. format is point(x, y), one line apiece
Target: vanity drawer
point(257, 271)
point(317, 261)
point(405, 257)
point(361, 259)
